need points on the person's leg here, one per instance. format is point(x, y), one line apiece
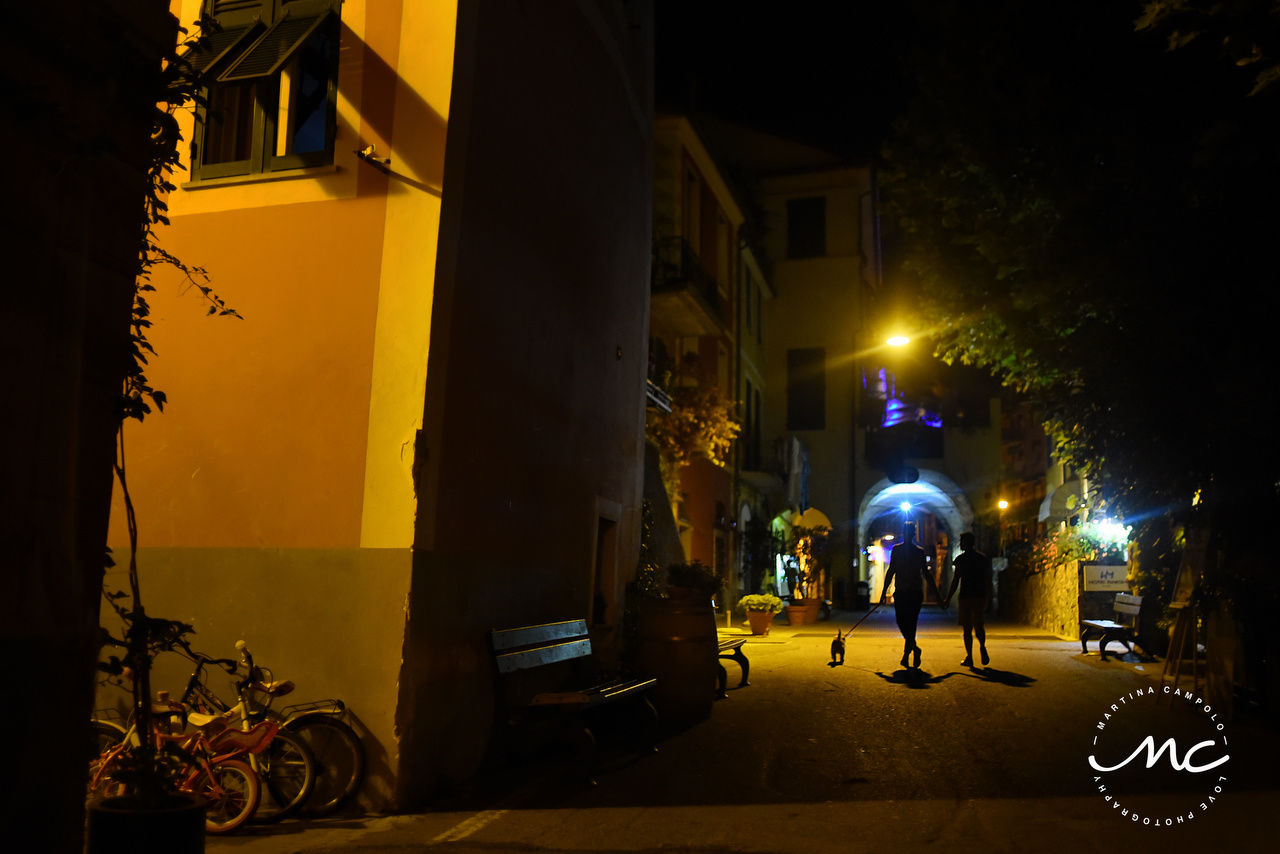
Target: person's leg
point(980, 630)
point(906, 625)
point(912, 617)
point(965, 609)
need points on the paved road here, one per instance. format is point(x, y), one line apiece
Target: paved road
point(866, 756)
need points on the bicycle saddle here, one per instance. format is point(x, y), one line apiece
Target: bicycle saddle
point(254, 740)
point(275, 689)
point(209, 723)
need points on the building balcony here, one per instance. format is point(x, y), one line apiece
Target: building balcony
point(656, 398)
point(685, 298)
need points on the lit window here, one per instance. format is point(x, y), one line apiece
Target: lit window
point(270, 69)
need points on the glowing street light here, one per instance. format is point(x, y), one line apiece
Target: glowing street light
point(905, 507)
point(1002, 504)
point(898, 341)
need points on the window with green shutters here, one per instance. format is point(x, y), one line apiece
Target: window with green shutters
point(270, 72)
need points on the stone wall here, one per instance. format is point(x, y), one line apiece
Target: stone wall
point(1052, 600)
point(1049, 600)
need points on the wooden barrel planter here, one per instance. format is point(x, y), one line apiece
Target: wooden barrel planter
point(677, 644)
point(122, 824)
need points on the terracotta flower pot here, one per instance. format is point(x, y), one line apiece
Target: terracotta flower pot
point(760, 621)
point(795, 614)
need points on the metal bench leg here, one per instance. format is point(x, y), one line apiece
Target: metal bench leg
point(722, 679)
point(584, 743)
point(739, 657)
point(650, 714)
point(1107, 638)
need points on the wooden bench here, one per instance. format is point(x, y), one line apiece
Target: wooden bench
point(548, 679)
point(1127, 609)
point(732, 648)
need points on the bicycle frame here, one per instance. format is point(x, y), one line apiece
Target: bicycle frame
point(200, 750)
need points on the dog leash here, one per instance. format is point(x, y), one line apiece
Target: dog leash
point(864, 617)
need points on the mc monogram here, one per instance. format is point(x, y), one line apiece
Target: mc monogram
point(1171, 745)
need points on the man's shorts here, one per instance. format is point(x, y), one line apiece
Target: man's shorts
point(970, 611)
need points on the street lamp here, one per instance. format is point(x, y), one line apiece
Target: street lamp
point(1003, 505)
point(898, 341)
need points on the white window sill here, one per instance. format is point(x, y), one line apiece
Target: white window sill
point(260, 177)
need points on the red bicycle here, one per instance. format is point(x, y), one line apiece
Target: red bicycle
point(209, 762)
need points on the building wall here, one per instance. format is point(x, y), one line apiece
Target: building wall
point(533, 424)
point(436, 393)
point(274, 495)
point(819, 304)
point(704, 213)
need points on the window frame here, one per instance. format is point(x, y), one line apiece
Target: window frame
point(262, 18)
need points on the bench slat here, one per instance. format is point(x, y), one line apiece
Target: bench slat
point(530, 635)
point(594, 696)
point(512, 661)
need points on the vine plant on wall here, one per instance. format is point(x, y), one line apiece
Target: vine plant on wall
point(177, 87)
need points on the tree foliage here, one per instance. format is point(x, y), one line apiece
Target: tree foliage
point(699, 425)
point(1085, 213)
point(177, 88)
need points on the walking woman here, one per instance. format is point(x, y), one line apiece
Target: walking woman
point(908, 565)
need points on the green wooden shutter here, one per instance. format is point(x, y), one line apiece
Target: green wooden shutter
point(273, 50)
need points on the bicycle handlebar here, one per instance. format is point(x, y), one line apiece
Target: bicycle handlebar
point(200, 658)
point(246, 657)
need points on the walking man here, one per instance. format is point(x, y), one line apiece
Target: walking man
point(908, 565)
point(973, 577)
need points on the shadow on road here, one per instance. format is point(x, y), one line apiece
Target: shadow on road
point(1002, 677)
point(913, 678)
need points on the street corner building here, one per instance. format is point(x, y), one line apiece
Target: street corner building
point(435, 220)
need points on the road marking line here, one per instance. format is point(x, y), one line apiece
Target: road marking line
point(464, 829)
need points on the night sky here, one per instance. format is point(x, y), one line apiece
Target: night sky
point(826, 74)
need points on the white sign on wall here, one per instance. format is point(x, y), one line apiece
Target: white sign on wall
point(1099, 578)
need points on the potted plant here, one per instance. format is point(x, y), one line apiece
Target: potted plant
point(153, 811)
point(677, 643)
point(812, 550)
point(760, 608)
point(693, 580)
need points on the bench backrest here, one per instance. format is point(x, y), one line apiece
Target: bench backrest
point(536, 646)
point(1128, 604)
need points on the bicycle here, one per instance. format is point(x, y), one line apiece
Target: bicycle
point(334, 745)
point(286, 767)
point(208, 764)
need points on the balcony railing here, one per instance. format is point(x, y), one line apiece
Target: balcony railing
point(677, 268)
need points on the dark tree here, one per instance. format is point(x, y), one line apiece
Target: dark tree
point(1083, 195)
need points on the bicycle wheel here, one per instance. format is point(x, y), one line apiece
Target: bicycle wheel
point(232, 792)
point(102, 737)
point(340, 762)
point(289, 773)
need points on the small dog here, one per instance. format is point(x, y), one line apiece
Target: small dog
point(837, 649)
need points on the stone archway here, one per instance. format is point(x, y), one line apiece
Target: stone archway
point(934, 491)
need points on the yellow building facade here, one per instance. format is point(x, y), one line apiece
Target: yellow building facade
point(428, 420)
